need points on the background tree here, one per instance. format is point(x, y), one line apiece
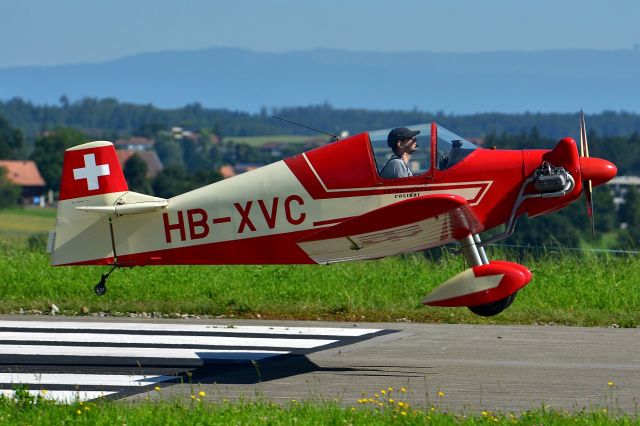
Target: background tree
point(169, 150)
point(49, 153)
point(171, 181)
point(629, 214)
point(9, 192)
point(11, 141)
point(135, 172)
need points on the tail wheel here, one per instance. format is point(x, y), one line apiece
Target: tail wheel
point(491, 309)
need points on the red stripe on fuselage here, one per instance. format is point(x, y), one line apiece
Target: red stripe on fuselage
point(269, 249)
point(418, 184)
point(331, 221)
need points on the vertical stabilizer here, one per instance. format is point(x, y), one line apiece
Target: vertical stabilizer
point(91, 176)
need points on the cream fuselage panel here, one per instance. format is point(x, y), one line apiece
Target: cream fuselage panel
point(265, 201)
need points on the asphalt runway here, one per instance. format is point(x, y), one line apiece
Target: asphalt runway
point(459, 368)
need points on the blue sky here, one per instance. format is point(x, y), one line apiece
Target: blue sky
point(42, 32)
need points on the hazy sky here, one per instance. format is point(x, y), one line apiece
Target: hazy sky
point(68, 31)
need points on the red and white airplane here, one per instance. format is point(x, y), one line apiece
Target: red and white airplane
point(328, 205)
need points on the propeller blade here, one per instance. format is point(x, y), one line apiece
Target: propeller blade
point(588, 195)
point(586, 184)
point(584, 146)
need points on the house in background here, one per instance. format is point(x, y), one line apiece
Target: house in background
point(135, 143)
point(229, 170)
point(26, 175)
point(154, 165)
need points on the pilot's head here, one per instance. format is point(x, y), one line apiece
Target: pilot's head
point(402, 140)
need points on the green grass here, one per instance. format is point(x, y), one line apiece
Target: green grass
point(569, 288)
point(591, 290)
point(24, 227)
point(27, 411)
point(257, 141)
point(28, 220)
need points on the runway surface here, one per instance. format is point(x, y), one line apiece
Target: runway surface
point(462, 368)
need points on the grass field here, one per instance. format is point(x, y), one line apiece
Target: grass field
point(203, 411)
point(567, 288)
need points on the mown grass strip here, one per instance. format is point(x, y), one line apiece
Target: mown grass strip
point(25, 410)
point(585, 290)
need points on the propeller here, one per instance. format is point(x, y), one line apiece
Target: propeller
point(587, 185)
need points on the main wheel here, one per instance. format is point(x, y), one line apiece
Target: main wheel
point(100, 289)
point(491, 309)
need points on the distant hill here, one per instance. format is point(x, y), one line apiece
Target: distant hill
point(459, 83)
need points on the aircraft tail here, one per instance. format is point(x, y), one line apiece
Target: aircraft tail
point(91, 176)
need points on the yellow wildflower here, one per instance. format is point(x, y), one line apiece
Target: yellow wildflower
point(157, 388)
point(441, 394)
point(376, 395)
point(610, 384)
point(384, 392)
point(391, 401)
point(404, 413)
point(390, 389)
point(403, 390)
point(193, 397)
point(79, 412)
point(202, 393)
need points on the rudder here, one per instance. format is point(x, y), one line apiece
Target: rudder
point(91, 176)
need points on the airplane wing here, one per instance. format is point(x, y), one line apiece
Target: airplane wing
point(414, 224)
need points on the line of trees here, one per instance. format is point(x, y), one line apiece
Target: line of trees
point(193, 163)
point(104, 118)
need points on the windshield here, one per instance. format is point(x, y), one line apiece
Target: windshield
point(420, 160)
point(451, 148)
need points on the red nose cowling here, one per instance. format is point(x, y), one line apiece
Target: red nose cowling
point(597, 170)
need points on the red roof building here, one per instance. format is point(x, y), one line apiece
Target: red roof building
point(26, 175)
point(154, 165)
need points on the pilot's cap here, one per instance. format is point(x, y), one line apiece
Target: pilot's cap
point(400, 133)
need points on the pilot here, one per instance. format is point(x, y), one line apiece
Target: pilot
point(402, 142)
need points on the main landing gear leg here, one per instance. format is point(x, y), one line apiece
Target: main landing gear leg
point(473, 254)
point(101, 287)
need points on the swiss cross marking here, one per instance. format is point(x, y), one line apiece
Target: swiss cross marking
point(91, 171)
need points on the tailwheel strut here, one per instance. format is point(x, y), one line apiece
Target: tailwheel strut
point(101, 287)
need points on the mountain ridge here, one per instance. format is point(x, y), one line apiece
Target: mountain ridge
point(459, 83)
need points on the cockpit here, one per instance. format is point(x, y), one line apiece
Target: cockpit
point(434, 144)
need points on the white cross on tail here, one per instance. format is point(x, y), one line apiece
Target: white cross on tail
point(91, 172)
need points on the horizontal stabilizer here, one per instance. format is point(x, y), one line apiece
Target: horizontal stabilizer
point(119, 210)
point(480, 285)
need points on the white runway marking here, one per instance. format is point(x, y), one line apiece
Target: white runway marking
point(110, 352)
point(82, 379)
point(124, 358)
point(198, 328)
point(62, 396)
point(164, 339)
